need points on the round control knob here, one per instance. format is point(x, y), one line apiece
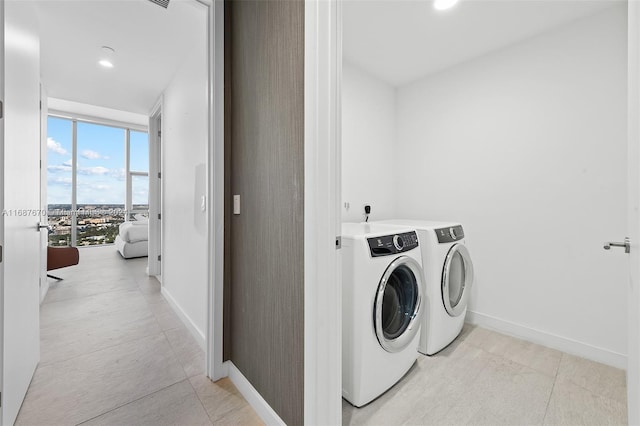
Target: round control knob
point(452, 232)
point(398, 242)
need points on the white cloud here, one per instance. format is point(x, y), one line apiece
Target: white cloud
point(56, 169)
point(92, 155)
point(54, 146)
point(62, 181)
point(118, 174)
point(99, 187)
point(88, 171)
point(98, 170)
point(68, 163)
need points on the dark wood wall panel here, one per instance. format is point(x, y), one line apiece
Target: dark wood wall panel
point(266, 140)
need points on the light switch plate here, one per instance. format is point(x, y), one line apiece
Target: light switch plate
point(236, 204)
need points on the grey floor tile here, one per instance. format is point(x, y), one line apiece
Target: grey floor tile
point(73, 338)
point(600, 379)
point(148, 285)
point(189, 353)
point(571, 404)
point(176, 405)
point(244, 416)
point(505, 393)
point(105, 358)
point(218, 398)
point(485, 378)
point(165, 315)
point(537, 357)
point(72, 310)
point(87, 386)
point(477, 336)
point(439, 391)
point(87, 286)
point(418, 397)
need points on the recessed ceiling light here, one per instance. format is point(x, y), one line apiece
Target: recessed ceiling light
point(106, 56)
point(444, 4)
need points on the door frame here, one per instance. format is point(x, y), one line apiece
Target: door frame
point(155, 190)
point(215, 367)
point(322, 224)
point(215, 186)
point(633, 177)
point(333, 32)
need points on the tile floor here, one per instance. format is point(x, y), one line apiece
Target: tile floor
point(486, 378)
point(113, 352)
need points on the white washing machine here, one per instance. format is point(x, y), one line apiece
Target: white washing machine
point(382, 298)
point(448, 276)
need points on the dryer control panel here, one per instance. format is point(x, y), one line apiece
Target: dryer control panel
point(392, 244)
point(450, 235)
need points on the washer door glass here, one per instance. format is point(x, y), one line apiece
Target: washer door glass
point(457, 277)
point(397, 304)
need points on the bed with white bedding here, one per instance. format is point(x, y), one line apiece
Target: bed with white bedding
point(133, 239)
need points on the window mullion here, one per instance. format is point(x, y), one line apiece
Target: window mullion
point(127, 163)
point(74, 182)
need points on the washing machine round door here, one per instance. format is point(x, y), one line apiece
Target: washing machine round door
point(457, 276)
point(397, 306)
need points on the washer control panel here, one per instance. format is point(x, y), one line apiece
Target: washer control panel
point(392, 244)
point(450, 234)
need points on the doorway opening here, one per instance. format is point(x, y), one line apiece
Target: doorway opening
point(100, 157)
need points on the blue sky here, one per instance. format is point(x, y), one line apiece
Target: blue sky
point(101, 163)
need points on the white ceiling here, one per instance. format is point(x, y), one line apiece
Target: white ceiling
point(400, 41)
point(150, 43)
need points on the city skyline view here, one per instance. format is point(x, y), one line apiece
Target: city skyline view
point(101, 174)
point(100, 184)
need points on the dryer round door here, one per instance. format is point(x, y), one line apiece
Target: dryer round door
point(457, 277)
point(397, 307)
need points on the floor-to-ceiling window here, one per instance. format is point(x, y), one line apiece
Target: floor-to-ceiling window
point(97, 177)
point(138, 174)
point(59, 179)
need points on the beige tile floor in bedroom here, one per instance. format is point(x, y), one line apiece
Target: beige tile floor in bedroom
point(486, 378)
point(114, 353)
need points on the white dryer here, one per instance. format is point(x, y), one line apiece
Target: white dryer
point(382, 283)
point(448, 276)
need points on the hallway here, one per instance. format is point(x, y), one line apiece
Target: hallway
point(114, 352)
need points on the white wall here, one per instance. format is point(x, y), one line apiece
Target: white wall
point(184, 154)
point(83, 109)
point(368, 133)
point(527, 148)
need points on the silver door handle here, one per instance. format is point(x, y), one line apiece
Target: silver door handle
point(41, 226)
point(626, 244)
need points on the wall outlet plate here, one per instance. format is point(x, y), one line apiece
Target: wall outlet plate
point(236, 204)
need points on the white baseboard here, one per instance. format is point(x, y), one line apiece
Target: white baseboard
point(543, 338)
point(44, 289)
point(193, 329)
point(253, 397)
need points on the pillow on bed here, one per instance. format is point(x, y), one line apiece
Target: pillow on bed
point(132, 233)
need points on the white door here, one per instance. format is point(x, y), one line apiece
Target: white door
point(21, 186)
point(1, 201)
point(633, 216)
